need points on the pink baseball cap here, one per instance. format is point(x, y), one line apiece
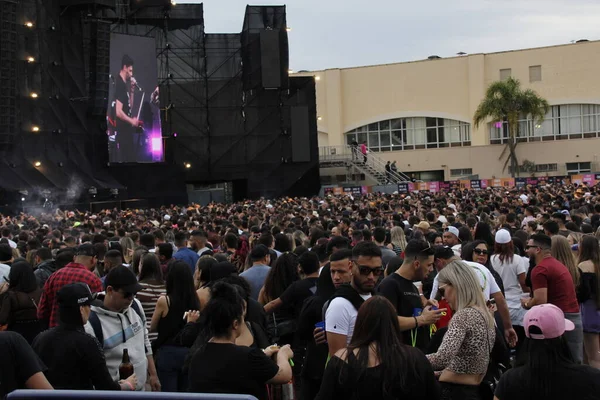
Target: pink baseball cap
point(549, 319)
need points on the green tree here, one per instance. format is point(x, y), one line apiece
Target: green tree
point(507, 101)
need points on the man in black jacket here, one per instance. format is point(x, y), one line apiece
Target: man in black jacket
point(74, 358)
point(45, 265)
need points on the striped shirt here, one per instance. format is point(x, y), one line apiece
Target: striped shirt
point(148, 297)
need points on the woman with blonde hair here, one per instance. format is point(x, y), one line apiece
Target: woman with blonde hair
point(464, 354)
point(127, 247)
point(561, 250)
point(398, 240)
point(574, 239)
point(301, 239)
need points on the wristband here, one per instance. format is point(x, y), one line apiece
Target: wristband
point(416, 322)
point(130, 385)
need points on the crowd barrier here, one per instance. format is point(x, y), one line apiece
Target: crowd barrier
point(99, 394)
point(475, 184)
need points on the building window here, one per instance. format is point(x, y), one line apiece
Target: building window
point(461, 172)
point(505, 74)
point(546, 167)
point(412, 133)
point(575, 168)
point(570, 121)
point(535, 73)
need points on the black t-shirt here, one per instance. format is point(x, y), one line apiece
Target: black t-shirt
point(293, 297)
point(579, 382)
point(122, 95)
point(227, 368)
point(406, 298)
point(420, 381)
point(75, 360)
point(18, 362)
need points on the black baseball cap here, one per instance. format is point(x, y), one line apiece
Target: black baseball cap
point(122, 278)
point(86, 249)
point(74, 295)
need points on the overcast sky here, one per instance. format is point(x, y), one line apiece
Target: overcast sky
point(346, 33)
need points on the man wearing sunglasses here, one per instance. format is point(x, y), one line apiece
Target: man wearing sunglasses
point(343, 308)
point(415, 313)
point(117, 321)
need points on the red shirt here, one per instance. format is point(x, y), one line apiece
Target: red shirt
point(71, 273)
point(553, 275)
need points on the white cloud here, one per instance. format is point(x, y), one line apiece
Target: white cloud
point(342, 33)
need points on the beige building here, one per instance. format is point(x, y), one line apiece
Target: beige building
point(420, 113)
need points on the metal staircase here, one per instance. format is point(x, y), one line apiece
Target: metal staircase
point(347, 156)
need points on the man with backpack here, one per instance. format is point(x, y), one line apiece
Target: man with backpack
point(118, 323)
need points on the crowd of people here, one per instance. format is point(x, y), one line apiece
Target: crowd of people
point(486, 294)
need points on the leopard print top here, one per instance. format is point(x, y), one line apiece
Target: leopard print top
point(465, 348)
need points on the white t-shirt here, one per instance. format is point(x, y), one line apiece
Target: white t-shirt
point(341, 316)
point(457, 249)
point(4, 272)
point(524, 198)
point(509, 273)
point(488, 283)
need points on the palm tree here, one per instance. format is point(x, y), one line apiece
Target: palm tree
point(506, 101)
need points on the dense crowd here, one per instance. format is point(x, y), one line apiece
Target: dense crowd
point(453, 295)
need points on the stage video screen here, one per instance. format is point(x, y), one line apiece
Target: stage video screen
point(133, 113)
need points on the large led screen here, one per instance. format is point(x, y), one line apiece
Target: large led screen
point(133, 114)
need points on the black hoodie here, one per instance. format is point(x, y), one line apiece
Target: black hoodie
point(43, 272)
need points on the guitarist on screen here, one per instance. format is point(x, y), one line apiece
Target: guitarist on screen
point(126, 125)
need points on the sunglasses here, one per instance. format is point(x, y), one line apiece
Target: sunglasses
point(366, 271)
point(531, 247)
point(480, 251)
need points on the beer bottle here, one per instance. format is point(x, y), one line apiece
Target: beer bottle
point(126, 367)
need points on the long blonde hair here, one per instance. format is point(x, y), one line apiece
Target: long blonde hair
point(561, 250)
point(398, 238)
point(127, 247)
point(468, 288)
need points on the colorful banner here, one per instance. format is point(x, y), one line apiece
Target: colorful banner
point(520, 183)
point(475, 184)
point(434, 187)
point(403, 188)
point(354, 190)
point(445, 186)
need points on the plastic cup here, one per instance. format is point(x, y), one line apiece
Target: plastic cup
point(320, 325)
